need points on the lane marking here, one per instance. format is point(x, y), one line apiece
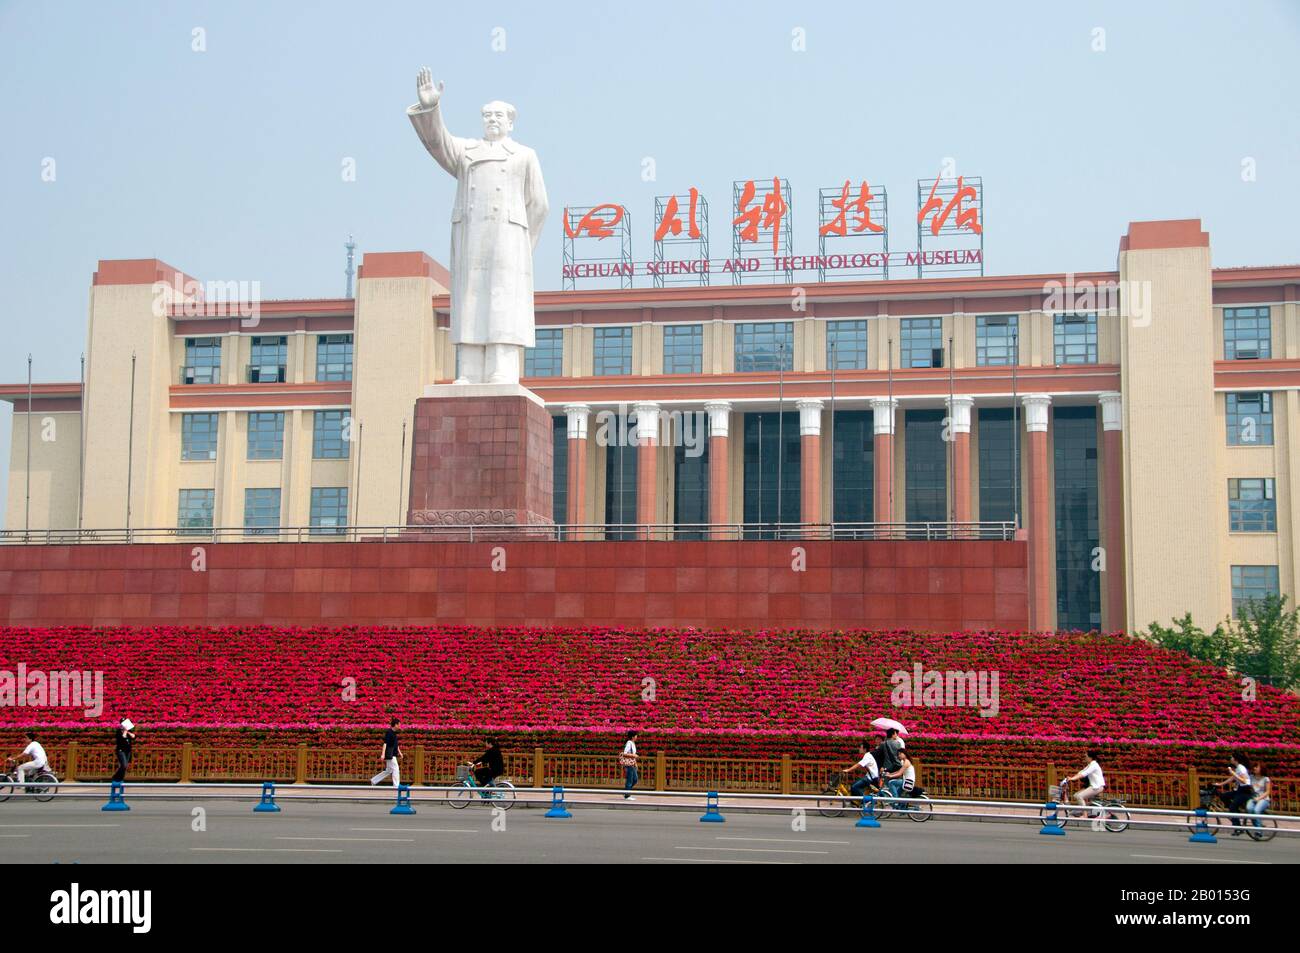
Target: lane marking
point(714, 860)
point(754, 850)
point(364, 840)
point(1205, 860)
point(60, 825)
point(786, 840)
point(417, 830)
point(15, 835)
point(274, 850)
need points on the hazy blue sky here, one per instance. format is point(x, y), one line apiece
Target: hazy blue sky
point(227, 163)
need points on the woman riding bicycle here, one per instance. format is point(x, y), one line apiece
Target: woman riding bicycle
point(490, 765)
point(1262, 789)
point(1096, 779)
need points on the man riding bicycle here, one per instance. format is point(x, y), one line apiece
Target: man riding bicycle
point(490, 765)
point(35, 753)
point(866, 763)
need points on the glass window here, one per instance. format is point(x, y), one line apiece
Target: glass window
point(261, 510)
point(1078, 587)
point(997, 340)
point(921, 342)
point(683, 348)
point(327, 440)
point(265, 435)
point(1247, 334)
point(1252, 506)
point(1250, 419)
point(999, 464)
point(613, 351)
point(620, 490)
point(925, 467)
point(198, 436)
point(1076, 339)
point(853, 467)
point(1253, 584)
point(195, 512)
point(691, 485)
point(202, 361)
point(334, 357)
point(560, 469)
point(765, 347)
point(544, 360)
point(771, 459)
point(846, 345)
point(329, 510)
point(269, 357)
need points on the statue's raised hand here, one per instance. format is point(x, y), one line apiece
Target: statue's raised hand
point(429, 94)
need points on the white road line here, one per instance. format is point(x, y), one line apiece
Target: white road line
point(786, 840)
point(1205, 860)
point(60, 825)
point(274, 850)
point(754, 850)
point(15, 835)
point(417, 830)
point(715, 860)
point(364, 840)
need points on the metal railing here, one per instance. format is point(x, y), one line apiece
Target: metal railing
point(543, 532)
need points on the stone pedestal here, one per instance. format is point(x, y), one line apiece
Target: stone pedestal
point(481, 455)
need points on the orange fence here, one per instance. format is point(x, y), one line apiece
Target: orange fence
point(659, 771)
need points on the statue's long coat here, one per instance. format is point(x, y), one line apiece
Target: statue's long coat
point(495, 222)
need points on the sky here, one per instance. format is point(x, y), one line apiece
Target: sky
point(216, 136)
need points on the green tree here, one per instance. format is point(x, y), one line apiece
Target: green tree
point(1263, 641)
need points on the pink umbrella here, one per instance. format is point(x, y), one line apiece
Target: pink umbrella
point(886, 723)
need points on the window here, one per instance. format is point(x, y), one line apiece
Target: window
point(560, 469)
point(999, 464)
point(265, 435)
point(997, 340)
point(269, 356)
point(765, 347)
point(202, 361)
point(613, 351)
point(1076, 339)
point(1247, 334)
point(846, 345)
point(1252, 506)
point(1252, 584)
point(772, 446)
point(198, 436)
point(327, 440)
point(547, 358)
point(195, 513)
point(620, 490)
point(1250, 419)
point(853, 467)
point(1078, 586)
point(329, 510)
point(921, 342)
point(261, 510)
point(691, 481)
point(683, 348)
point(334, 357)
point(925, 467)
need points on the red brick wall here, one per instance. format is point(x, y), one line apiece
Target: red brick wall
point(922, 585)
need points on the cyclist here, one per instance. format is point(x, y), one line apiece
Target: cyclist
point(1237, 789)
point(866, 763)
point(1263, 791)
point(490, 764)
point(35, 754)
point(1096, 780)
point(902, 781)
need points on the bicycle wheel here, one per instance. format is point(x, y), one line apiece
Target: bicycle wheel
point(1212, 823)
point(503, 795)
point(460, 795)
point(1047, 820)
point(1265, 832)
point(44, 794)
point(830, 804)
point(920, 809)
point(884, 808)
point(1116, 817)
point(6, 786)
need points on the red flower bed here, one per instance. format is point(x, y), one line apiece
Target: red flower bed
point(745, 693)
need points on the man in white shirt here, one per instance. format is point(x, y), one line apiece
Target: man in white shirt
point(866, 763)
point(35, 754)
point(1096, 780)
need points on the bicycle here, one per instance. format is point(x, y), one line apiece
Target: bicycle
point(915, 804)
point(1111, 811)
point(836, 797)
point(35, 786)
point(500, 792)
point(1214, 800)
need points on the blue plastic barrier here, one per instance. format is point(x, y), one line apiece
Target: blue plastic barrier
point(711, 815)
point(267, 805)
point(403, 805)
point(557, 804)
point(1202, 834)
point(116, 797)
point(1049, 822)
point(867, 812)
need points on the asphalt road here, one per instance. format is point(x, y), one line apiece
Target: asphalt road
point(68, 831)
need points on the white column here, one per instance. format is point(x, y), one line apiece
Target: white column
point(647, 421)
point(959, 408)
point(1036, 412)
point(1112, 410)
point(810, 417)
point(719, 412)
point(577, 415)
point(882, 411)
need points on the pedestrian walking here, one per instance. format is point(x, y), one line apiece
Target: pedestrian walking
point(392, 753)
point(123, 738)
point(627, 760)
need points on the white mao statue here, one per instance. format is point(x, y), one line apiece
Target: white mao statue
point(496, 220)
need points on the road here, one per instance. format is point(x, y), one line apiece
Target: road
point(68, 830)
